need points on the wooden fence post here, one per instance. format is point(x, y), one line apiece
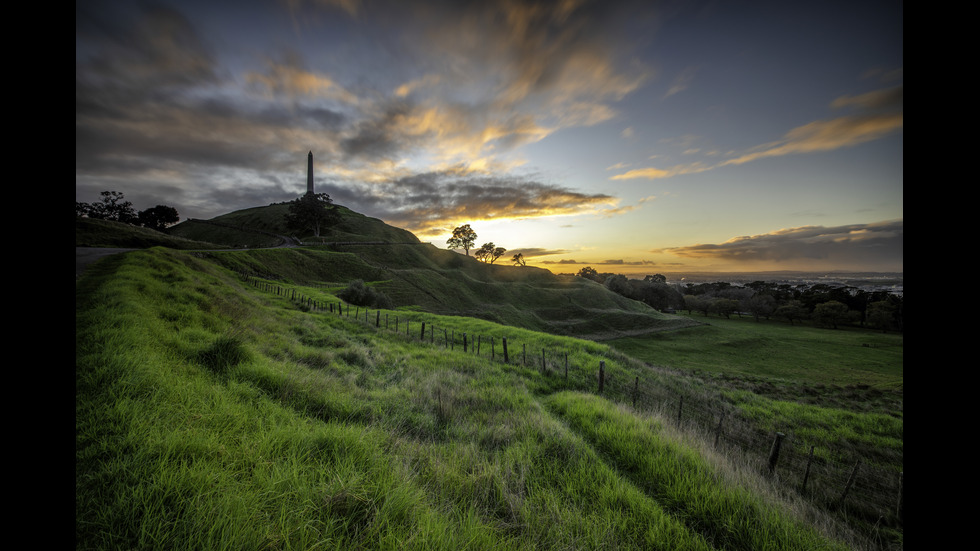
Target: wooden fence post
point(377, 322)
point(850, 482)
point(566, 366)
point(493, 348)
point(901, 491)
point(464, 342)
point(721, 418)
point(774, 451)
point(806, 472)
point(602, 375)
point(680, 410)
point(524, 356)
point(542, 361)
point(636, 390)
point(422, 336)
point(506, 357)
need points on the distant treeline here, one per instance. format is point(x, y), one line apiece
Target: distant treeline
point(823, 304)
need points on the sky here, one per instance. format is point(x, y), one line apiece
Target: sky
point(634, 137)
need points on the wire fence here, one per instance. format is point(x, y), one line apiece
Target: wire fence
point(828, 479)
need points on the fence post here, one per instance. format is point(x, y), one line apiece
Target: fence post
point(422, 336)
point(464, 342)
point(721, 418)
point(445, 334)
point(850, 482)
point(602, 375)
point(680, 410)
point(898, 508)
point(506, 357)
point(377, 322)
point(566, 366)
point(806, 472)
point(524, 356)
point(479, 341)
point(774, 451)
point(493, 348)
point(542, 361)
point(636, 389)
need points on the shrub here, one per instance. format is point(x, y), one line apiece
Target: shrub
point(359, 294)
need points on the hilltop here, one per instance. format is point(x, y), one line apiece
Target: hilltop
point(411, 273)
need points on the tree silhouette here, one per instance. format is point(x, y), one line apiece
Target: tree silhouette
point(158, 217)
point(489, 252)
point(311, 213)
point(463, 238)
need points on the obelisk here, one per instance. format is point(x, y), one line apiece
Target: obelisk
point(309, 174)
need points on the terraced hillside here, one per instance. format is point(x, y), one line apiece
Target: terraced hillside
point(415, 274)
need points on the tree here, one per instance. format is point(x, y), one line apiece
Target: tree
point(463, 238)
point(589, 272)
point(489, 252)
point(112, 207)
point(158, 217)
point(518, 260)
point(831, 313)
point(656, 278)
point(761, 306)
point(311, 213)
point(724, 306)
point(791, 310)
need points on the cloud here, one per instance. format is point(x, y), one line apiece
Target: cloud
point(432, 203)
point(882, 115)
point(851, 246)
point(681, 82)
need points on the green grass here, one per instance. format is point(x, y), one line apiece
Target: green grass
point(214, 415)
point(776, 350)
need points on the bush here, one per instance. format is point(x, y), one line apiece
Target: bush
point(359, 294)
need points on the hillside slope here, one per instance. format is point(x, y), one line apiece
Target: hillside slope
point(214, 413)
point(420, 275)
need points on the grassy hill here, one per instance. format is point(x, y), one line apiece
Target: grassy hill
point(435, 280)
point(216, 414)
point(217, 409)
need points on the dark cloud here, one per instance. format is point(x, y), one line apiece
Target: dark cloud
point(879, 245)
point(435, 202)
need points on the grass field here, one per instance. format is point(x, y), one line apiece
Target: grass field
point(776, 351)
point(211, 414)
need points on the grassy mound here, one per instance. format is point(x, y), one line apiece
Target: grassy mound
point(211, 414)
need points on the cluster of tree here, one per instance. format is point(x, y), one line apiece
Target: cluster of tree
point(464, 238)
point(825, 305)
point(652, 289)
point(114, 206)
point(311, 214)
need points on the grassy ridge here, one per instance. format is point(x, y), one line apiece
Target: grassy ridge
point(444, 282)
point(210, 415)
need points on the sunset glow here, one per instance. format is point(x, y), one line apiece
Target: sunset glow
point(633, 137)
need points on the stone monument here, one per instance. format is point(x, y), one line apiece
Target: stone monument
point(309, 174)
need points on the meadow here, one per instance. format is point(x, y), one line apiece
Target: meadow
point(212, 413)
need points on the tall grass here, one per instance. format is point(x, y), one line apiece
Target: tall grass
point(211, 415)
